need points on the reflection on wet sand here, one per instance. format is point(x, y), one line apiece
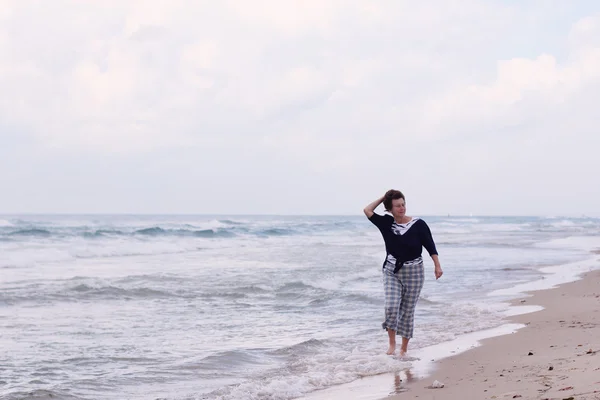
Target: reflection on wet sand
point(404, 376)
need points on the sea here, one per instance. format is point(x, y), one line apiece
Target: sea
point(247, 307)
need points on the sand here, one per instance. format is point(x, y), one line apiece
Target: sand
point(555, 356)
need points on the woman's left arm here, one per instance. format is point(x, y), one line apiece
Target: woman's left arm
point(429, 244)
point(438, 268)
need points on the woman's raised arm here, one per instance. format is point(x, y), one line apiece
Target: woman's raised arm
point(370, 209)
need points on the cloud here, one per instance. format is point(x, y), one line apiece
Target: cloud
point(542, 80)
point(117, 76)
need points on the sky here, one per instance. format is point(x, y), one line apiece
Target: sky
point(299, 107)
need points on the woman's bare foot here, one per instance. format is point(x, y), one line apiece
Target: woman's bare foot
point(392, 349)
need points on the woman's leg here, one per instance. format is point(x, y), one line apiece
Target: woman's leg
point(412, 277)
point(404, 346)
point(393, 294)
point(392, 340)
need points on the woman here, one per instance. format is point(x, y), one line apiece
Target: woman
point(403, 274)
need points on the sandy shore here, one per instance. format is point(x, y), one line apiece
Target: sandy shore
point(556, 356)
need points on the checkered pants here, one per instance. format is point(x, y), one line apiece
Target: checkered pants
point(402, 292)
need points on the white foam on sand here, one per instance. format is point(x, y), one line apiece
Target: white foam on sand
point(551, 277)
point(325, 371)
point(378, 387)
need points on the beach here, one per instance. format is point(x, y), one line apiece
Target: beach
point(556, 355)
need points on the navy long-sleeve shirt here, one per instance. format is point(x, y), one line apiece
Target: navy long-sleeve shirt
point(404, 242)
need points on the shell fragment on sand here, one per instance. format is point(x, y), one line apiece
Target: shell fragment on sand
point(437, 385)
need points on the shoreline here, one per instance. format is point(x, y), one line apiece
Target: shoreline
point(533, 319)
point(555, 355)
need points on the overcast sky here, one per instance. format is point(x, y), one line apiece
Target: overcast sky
point(309, 106)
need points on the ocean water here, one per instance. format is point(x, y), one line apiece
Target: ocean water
point(245, 307)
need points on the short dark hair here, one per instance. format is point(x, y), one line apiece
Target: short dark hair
point(392, 195)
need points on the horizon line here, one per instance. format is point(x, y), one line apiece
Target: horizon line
point(470, 215)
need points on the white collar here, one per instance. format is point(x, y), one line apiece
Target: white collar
point(401, 229)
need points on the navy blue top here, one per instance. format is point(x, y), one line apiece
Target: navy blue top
point(404, 242)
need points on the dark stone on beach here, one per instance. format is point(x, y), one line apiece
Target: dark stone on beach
point(530, 354)
point(551, 368)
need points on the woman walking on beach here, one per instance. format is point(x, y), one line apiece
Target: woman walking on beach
point(403, 274)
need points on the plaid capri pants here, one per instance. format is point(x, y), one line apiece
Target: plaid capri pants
point(402, 291)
